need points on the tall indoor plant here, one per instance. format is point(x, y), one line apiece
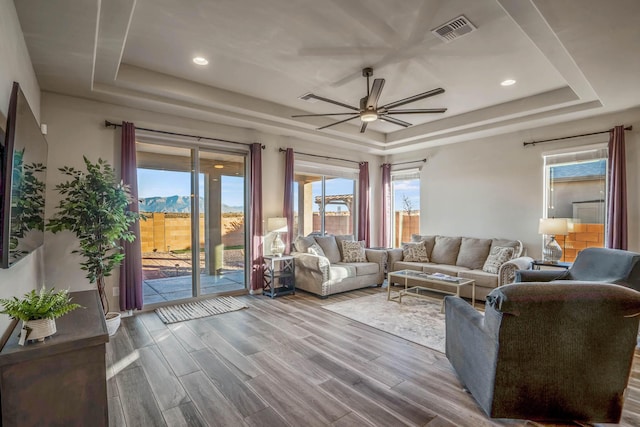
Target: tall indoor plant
point(95, 207)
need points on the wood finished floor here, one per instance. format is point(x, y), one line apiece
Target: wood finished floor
point(288, 362)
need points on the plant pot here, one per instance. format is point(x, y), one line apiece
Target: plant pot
point(40, 329)
point(113, 322)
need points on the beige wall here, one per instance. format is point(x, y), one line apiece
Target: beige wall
point(16, 66)
point(76, 128)
point(493, 187)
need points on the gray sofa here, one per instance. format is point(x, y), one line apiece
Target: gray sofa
point(542, 351)
point(327, 274)
point(464, 257)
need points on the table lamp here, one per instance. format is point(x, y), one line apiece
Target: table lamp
point(552, 252)
point(277, 225)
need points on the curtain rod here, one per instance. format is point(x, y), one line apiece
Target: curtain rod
point(404, 163)
point(282, 150)
point(107, 124)
point(572, 136)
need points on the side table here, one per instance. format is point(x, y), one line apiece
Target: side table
point(279, 275)
point(536, 264)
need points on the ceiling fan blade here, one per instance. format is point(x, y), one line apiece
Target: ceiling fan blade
point(413, 98)
point(320, 115)
point(331, 101)
point(417, 111)
point(337, 123)
point(363, 127)
point(396, 121)
point(374, 95)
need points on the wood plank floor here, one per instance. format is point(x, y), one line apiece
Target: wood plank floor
point(288, 362)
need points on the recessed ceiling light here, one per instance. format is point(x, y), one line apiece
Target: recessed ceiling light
point(200, 60)
point(508, 82)
point(218, 166)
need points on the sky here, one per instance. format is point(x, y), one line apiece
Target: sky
point(159, 183)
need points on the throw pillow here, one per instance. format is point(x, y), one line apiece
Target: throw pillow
point(315, 249)
point(414, 252)
point(498, 256)
point(353, 251)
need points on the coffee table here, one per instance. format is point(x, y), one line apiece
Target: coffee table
point(416, 281)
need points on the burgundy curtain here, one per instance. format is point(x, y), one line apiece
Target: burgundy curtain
point(287, 210)
point(363, 204)
point(617, 191)
point(255, 213)
point(131, 268)
point(385, 217)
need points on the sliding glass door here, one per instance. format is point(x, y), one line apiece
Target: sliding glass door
point(193, 237)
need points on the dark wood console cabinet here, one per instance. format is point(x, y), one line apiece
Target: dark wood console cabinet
point(61, 381)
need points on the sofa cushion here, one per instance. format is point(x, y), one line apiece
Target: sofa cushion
point(402, 265)
point(363, 268)
point(473, 252)
point(445, 251)
point(341, 271)
point(482, 278)
point(508, 244)
point(341, 238)
point(429, 242)
point(301, 244)
point(451, 270)
point(498, 256)
point(414, 252)
point(330, 247)
point(315, 249)
point(353, 251)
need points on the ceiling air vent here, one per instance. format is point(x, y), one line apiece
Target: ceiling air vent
point(453, 29)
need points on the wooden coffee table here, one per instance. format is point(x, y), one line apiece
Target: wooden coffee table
point(416, 281)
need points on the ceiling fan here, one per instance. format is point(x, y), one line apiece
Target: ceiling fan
point(369, 110)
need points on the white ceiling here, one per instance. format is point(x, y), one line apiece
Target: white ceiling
point(571, 59)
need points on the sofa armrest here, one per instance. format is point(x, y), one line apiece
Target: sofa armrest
point(379, 256)
point(393, 256)
point(471, 345)
point(507, 271)
point(313, 267)
point(538, 275)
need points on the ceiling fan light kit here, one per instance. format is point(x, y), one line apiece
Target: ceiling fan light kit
point(369, 110)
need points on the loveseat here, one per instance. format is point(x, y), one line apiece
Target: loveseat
point(490, 262)
point(326, 265)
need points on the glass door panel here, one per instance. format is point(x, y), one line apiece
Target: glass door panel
point(222, 214)
point(165, 200)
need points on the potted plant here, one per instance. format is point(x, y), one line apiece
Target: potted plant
point(95, 207)
point(38, 311)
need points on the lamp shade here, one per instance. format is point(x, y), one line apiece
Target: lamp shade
point(553, 226)
point(277, 224)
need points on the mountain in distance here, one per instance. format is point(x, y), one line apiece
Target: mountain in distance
point(179, 204)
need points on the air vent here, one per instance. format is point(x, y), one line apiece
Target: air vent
point(454, 29)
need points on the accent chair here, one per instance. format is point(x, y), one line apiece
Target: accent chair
point(594, 265)
point(544, 351)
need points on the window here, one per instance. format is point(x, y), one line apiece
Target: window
point(405, 199)
point(575, 189)
point(324, 199)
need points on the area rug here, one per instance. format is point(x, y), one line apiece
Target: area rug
point(199, 309)
point(415, 319)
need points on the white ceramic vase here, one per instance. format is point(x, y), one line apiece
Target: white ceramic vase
point(113, 322)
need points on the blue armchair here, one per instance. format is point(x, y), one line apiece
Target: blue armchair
point(593, 265)
point(545, 351)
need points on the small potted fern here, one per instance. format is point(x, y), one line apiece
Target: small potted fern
point(38, 311)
